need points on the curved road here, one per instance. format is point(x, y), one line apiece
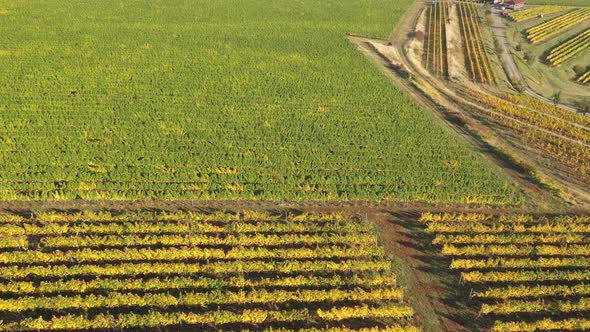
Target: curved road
point(514, 74)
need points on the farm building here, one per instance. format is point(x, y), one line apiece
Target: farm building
point(515, 4)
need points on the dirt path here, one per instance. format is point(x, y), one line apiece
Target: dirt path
point(550, 185)
point(499, 30)
point(510, 66)
point(424, 90)
point(430, 288)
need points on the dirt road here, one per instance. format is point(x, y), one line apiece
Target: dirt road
point(510, 67)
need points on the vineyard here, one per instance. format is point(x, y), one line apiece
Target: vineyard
point(557, 133)
point(477, 58)
point(435, 50)
point(570, 48)
point(556, 26)
point(121, 108)
point(537, 11)
point(584, 78)
point(98, 270)
point(525, 273)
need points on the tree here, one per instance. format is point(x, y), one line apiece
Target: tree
point(556, 97)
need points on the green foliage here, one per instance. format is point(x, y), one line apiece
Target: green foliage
point(204, 100)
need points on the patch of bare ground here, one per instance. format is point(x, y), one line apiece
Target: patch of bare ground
point(430, 92)
point(455, 47)
point(415, 44)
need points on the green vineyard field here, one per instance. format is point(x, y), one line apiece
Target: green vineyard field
point(183, 99)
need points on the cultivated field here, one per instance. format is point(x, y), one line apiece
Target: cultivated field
point(526, 273)
point(570, 48)
point(247, 270)
point(550, 29)
point(257, 165)
point(435, 49)
point(190, 100)
point(556, 133)
point(554, 53)
point(476, 56)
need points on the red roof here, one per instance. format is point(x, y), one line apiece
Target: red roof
point(516, 2)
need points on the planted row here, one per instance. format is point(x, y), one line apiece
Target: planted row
point(557, 25)
point(526, 273)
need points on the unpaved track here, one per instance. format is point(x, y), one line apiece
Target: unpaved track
point(444, 104)
point(448, 102)
point(510, 66)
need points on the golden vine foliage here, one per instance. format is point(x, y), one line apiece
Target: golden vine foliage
point(178, 268)
point(520, 266)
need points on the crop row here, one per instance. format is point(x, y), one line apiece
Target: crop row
point(435, 50)
point(535, 306)
point(220, 268)
point(185, 253)
point(572, 152)
point(492, 228)
point(538, 275)
point(256, 240)
point(194, 216)
point(585, 78)
point(512, 238)
point(557, 25)
point(81, 286)
point(428, 217)
point(533, 12)
point(538, 291)
point(196, 299)
point(478, 60)
point(141, 227)
point(345, 190)
point(547, 324)
point(516, 250)
point(569, 49)
point(525, 271)
point(154, 319)
point(520, 263)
